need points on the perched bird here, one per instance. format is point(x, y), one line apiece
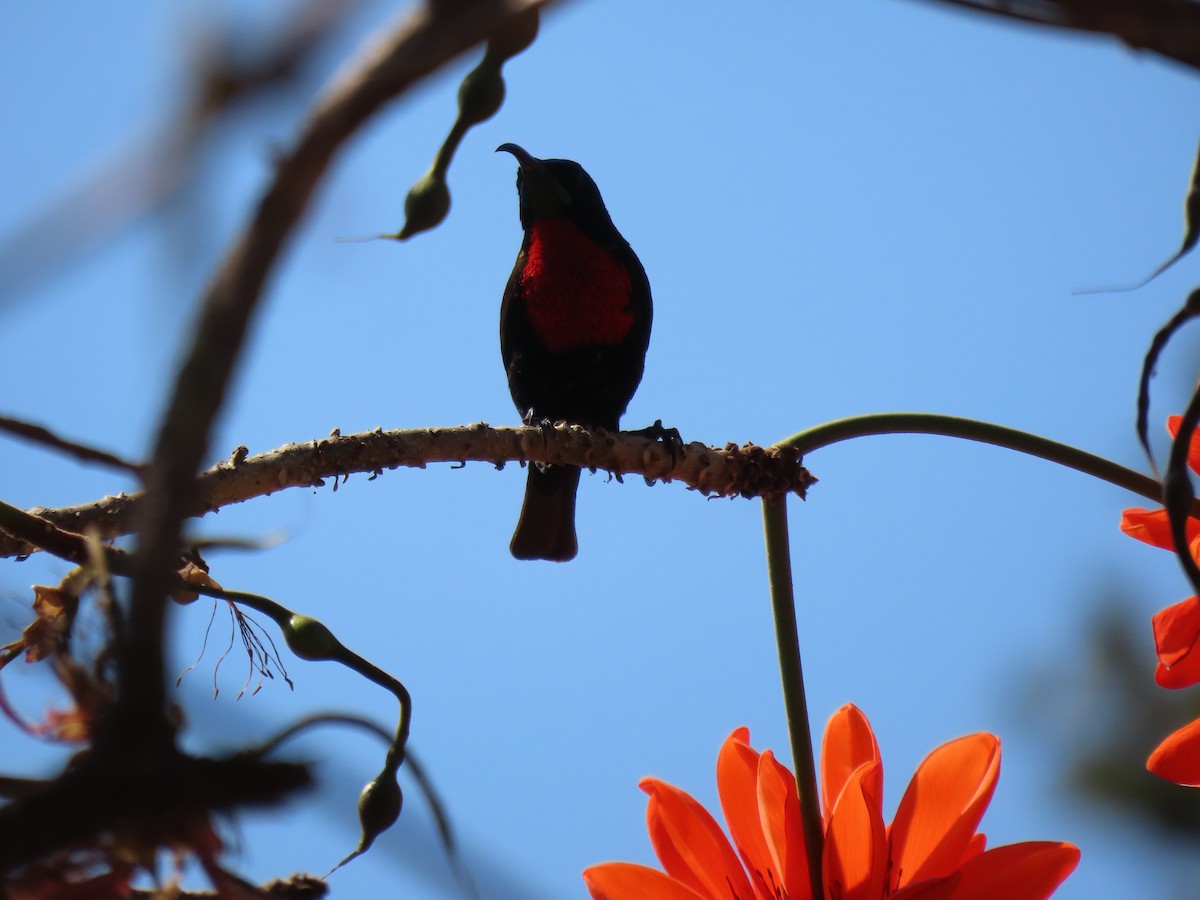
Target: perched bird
point(574, 327)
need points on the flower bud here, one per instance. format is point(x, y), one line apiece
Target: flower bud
point(310, 639)
point(425, 206)
point(481, 93)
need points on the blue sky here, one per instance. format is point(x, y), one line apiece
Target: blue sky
point(842, 208)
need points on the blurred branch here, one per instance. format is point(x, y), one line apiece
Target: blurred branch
point(228, 70)
point(1170, 28)
point(747, 471)
point(425, 40)
point(150, 797)
point(39, 435)
point(297, 887)
point(134, 772)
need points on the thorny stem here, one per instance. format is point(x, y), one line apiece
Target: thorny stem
point(787, 639)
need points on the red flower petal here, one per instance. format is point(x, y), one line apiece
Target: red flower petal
point(628, 881)
point(942, 807)
point(1153, 527)
point(779, 810)
point(690, 843)
point(849, 743)
point(1177, 758)
point(1185, 674)
point(1176, 630)
point(930, 889)
point(856, 851)
point(978, 845)
point(1173, 423)
point(1028, 871)
point(737, 786)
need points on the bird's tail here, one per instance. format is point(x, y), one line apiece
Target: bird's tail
point(546, 529)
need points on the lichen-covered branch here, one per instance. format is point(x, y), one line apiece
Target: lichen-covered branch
point(747, 471)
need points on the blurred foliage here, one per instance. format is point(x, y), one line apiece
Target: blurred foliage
point(1106, 713)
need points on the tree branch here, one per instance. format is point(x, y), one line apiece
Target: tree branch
point(425, 40)
point(1170, 28)
point(38, 435)
point(748, 471)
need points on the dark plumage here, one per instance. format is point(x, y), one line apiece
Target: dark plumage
point(574, 327)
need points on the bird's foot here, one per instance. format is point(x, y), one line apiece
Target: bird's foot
point(669, 437)
point(544, 425)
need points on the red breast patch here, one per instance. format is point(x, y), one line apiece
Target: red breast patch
point(576, 294)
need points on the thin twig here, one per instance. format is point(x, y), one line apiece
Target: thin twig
point(39, 435)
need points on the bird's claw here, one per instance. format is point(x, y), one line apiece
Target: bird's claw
point(669, 436)
point(543, 425)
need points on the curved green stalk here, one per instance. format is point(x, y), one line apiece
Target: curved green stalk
point(380, 802)
point(974, 430)
point(780, 572)
point(787, 639)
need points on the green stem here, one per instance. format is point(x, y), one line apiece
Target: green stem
point(787, 639)
point(779, 568)
point(973, 430)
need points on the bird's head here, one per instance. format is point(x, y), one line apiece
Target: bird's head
point(556, 188)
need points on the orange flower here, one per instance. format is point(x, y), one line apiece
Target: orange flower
point(1152, 525)
point(1176, 633)
point(931, 851)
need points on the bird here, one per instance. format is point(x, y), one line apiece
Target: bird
point(574, 328)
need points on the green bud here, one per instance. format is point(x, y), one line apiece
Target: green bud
point(378, 808)
point(425, 206)
point(481, 94)
point(310, 639)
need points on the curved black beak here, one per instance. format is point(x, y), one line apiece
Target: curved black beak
point(524, 158)
point(542, 197)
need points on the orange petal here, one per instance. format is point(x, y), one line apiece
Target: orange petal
point(1173, 423)
point(779, 810)
point(629, 881)
point(1153, 527)
point(1176, 629)
point(941, 808)
point(1030, 871)
point(690, 843)
point(977, 845)
point(1186, 674)
point(856, 853)
point(848, 744)
point(737, 786)
point(1177, 758)
point(930, 889)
